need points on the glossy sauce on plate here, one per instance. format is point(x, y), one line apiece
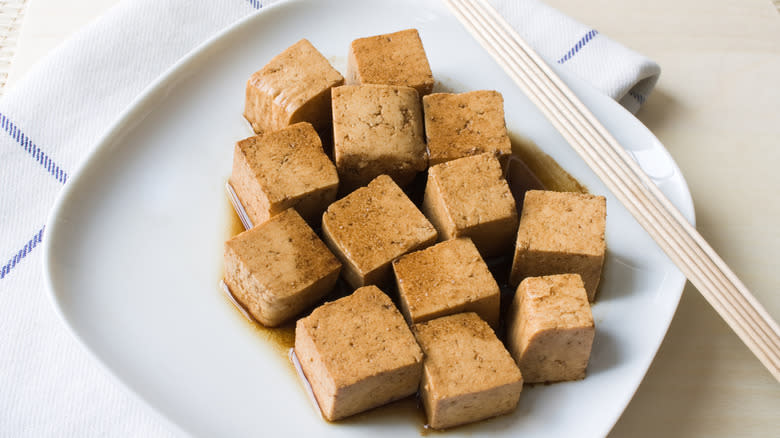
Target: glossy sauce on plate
point(544, 171)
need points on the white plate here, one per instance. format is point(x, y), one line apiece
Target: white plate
point(134, 245)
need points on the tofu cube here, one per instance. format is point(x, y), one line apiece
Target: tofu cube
point(357, 353)
point(293, 87)
point(460, 125)
point(283, 169)
point(469, 197)
point(449, 277)
point(561, 233)
point(392, 59)
point(371, 227)
point(468, 375)
point(377, 129)
point(550, 328)
point(278, 269)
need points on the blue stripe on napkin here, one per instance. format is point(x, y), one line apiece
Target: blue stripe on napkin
point(580, 44)
point(639, 98)
point(36, 152)
point(55, 170)
point(29, 246)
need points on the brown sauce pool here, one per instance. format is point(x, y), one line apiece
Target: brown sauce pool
point(544, 170)
point(547, 170)
point(281, 338)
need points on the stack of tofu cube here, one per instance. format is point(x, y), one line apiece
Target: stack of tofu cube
point(383, 127)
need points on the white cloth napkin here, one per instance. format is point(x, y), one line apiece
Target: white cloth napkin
point(52, 118)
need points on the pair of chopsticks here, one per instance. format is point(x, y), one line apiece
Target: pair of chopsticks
point(623, 176)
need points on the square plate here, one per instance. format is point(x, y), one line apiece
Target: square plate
point(133, 254)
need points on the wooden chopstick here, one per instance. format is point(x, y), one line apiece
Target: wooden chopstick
point(625, 178)
point(574, 136)
point(622, 183)
point(633, 199)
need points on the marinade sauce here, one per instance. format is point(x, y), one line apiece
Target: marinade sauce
point(528, 168)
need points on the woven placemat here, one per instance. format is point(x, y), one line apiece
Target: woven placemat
point(11, 16)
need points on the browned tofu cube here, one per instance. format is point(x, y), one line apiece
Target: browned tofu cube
point(283, 169)
point(468, 375)
point(550, 328)
point(449, 277)
point(377, 129)
point(560, 233)
point(278, 269)
point(293, 87)
point(357, 353)
point(469, 197)
point(392, 59)
point(460, 125)
point(371, 227)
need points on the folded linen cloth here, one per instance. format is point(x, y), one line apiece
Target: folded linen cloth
point(52, 118)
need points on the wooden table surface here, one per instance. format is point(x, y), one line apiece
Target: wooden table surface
point(717, 110)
